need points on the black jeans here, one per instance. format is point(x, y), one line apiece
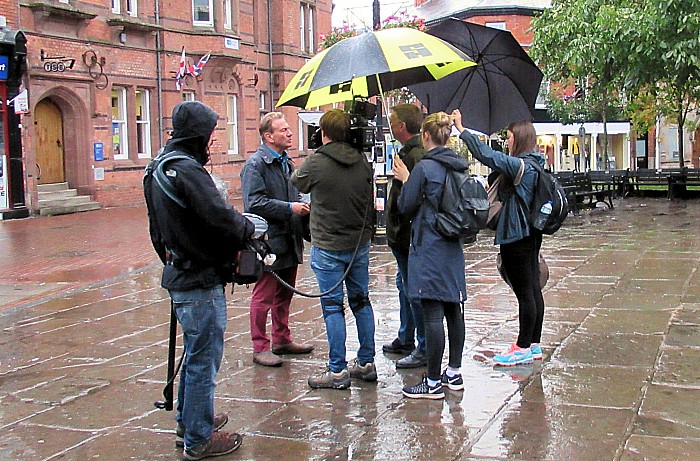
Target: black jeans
point(520, 261)
point(433, 313)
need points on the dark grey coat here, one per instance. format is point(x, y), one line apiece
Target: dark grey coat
point(267, 192)
point(435, 265)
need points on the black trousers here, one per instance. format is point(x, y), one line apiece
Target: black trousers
point(433, 313)
point(520, 261)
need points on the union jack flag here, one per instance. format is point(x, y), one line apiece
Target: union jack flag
point(200, 64)
point(181, 71)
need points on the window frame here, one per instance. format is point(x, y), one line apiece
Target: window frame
point(132, 8)
point(122, 123)
point(210, 21)
point(143, 126)
point(232, 144)
point(227, 8)
point(116, 6)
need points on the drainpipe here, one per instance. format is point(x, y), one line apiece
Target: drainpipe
point(269, 53)
point(159, 85)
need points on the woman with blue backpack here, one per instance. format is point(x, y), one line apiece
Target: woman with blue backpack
point(519, 241)
point(435, 263)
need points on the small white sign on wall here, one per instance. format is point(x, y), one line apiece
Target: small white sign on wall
point(232, 43)
point(99, 174)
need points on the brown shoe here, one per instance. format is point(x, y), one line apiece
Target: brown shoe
point(292, 348)
point(220, 443)
point(220, 421)
point(266, 359)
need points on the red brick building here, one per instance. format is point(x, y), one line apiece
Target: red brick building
point(101, 82)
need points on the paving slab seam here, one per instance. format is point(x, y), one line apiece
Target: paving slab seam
point(5, 310)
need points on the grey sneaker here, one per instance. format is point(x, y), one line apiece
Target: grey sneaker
point(220, 421)
point(330, 380)
point(423, 390)
point(366, 372)
point(220, 443)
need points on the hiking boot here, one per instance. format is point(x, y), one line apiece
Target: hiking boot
point(330, 380)
point(415, 359)
point(536, 350)
point(423, 390)
point(455, 383)
point(220, 443)
point(397, 347)
point(220, 421)
point(266, 359)
point(366, 372)
point(291, 348)
point(514, 356)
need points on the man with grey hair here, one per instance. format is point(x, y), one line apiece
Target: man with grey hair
point(268, 193)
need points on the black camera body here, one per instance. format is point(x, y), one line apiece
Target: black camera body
point(362, 135)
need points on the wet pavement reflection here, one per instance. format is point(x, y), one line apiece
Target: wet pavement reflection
point(84, 344)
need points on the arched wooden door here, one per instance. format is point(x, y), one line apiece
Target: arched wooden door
point(48, 128)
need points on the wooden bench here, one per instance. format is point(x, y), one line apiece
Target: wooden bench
point(614, 180)
point(580, 192)
point(678, 183)
point(649, 181)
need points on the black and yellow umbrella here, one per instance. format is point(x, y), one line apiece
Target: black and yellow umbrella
point(370, 64)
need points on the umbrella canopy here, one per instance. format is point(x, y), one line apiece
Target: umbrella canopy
point(371, 63)
point(501, 88)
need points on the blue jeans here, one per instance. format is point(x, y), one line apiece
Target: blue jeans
point(202, 316)
point(410, 310)
point(329, 267)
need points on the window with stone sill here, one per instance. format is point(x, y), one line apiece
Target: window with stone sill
point(307, 16)
point(202, 12)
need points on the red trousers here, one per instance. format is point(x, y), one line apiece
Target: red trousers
point(270, 296)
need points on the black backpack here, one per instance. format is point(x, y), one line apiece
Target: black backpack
point(547, 189)
point(463, 208)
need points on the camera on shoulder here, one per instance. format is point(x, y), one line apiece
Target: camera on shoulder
point(362, 134)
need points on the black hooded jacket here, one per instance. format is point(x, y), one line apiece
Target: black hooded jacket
point(198, 238)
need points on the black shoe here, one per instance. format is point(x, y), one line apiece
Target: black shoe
point(423, 390)
point(397, 347)
point(415, 359)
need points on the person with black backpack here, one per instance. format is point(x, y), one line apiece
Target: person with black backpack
point(435, 262)
point(519, 241)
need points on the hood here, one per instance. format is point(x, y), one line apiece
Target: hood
point(341, 152)
point(536, 156)
point(193, 124)
point(448, 158)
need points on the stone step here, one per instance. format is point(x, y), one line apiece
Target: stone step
point(62, 201)
point(57, 194)
point(66, 209)
point(51, 187)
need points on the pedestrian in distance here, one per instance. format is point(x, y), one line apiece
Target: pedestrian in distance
point(267, 192)
point(405, 121)
point(435, 264)
point(339, 178)
point(519, 242)
point(196, 235)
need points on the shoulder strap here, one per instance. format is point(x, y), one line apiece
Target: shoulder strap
point(521, 171)
point(164, 182)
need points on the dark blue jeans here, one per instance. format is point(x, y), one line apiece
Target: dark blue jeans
point(202, 316)
point(329, 267)
point(410, 312)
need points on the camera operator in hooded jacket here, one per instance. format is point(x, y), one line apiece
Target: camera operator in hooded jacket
point(196, 235)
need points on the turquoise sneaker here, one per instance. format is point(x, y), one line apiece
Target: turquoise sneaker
point(514, 356)
point(536, 351)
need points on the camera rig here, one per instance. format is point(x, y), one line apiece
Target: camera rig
point(362, 135)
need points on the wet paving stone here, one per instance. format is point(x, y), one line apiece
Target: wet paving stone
point(81, 367)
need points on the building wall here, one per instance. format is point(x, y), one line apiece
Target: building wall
point(111, 50)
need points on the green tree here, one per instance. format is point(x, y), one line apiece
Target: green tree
point(665, 61)
point(585, 41)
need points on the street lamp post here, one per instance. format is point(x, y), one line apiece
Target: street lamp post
point(381, 181)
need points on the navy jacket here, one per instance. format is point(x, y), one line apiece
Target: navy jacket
point(267, 192)
point(512, 225)
point(435, 265)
